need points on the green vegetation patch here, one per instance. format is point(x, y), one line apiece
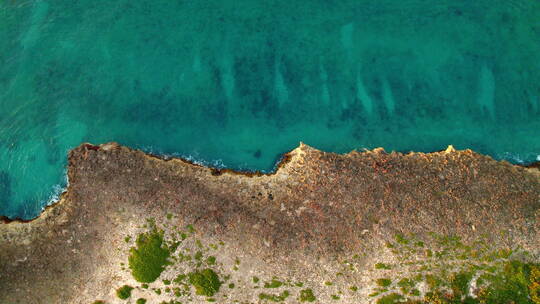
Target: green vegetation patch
point(150, 256)
point(124, 292)
point(392, 298)
point(460, 283)
point(406, 285)
point(211, 260)
point(506, 282)
point(447, 268)
point(534, 286)
point(274, 298)
point(513, 284)
point(274, 283)
point(190, 229)
point(382, 266)
point(384, 282)
point(401, 239)
point(180, 278)
point(141, 301)
point(206, 282)
point(306, 295)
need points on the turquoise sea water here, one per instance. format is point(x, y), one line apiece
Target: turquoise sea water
point(235, 83)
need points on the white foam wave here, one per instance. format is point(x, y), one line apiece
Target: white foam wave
point(193, 158)
point(57, 191)
point(520, 159)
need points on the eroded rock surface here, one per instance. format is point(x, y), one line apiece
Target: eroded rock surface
point(334, 225)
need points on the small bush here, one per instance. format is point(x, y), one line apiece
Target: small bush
point(206, 282)
point(273, 284)
point(124, 292)
point(306, 295)
point(392, 298)
point(384, 282)
point(148, 260)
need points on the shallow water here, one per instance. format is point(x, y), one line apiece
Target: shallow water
point(237, 83)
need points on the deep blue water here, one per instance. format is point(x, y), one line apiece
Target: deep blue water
point(235, 83)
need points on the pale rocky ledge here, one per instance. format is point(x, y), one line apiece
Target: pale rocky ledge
point(363, 227)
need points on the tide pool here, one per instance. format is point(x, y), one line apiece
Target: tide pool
point(237, 83)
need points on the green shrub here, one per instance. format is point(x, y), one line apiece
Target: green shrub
point(273, 284)
point(306, 295)
point(392, 298)
point(384, 282)
point(206, 282)
point(124, 292)
point(150, 256)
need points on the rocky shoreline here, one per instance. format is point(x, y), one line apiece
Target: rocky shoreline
point(362, 227)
